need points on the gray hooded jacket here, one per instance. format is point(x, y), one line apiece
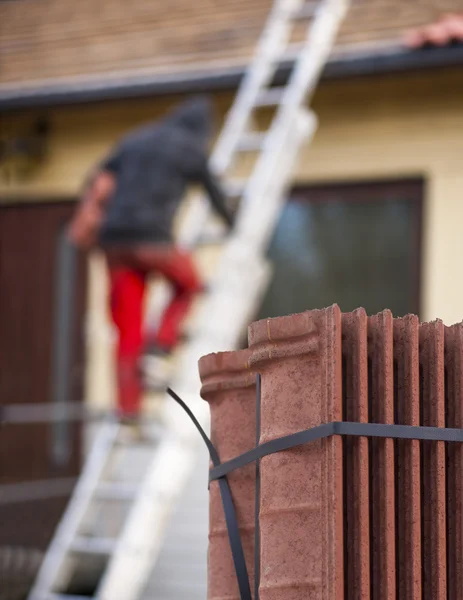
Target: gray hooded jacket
point(153, 167)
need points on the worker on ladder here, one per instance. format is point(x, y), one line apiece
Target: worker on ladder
point(128, 209)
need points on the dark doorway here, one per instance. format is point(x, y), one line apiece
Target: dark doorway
point(354, 245)
point(29, 248)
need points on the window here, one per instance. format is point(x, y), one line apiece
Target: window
point(354, 245)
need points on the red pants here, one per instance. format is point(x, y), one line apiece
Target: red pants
point(128, 270)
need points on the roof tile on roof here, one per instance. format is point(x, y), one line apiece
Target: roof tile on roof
point(447, 30)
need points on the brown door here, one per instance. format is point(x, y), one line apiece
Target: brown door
point(32, 317)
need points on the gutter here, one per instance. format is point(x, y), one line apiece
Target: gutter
point(343, 65)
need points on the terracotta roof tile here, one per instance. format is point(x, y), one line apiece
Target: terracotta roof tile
point(447, 30)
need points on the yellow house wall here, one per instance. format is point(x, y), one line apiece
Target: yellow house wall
point(370, 129)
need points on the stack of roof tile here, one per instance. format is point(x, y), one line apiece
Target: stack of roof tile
point(352, 517)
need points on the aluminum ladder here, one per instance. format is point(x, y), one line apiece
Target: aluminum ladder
point(233, 298)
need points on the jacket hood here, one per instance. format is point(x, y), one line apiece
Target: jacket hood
point(195, 115)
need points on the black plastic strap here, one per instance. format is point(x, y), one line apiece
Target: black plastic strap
point(220, 470)
point(228, 507)
point(277, 445)
point(403, 432)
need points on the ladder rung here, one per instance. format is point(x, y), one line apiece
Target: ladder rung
point(115, 490)
point(211, 240)
point(292, 50)
point(92, 545)
point(250, 142)
point(306, 11)
point(270, 97)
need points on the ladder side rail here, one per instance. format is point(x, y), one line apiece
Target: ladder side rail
point(302, 84)
point(265, 198)
point(314, 54)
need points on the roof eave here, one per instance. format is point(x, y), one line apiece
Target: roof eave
point(349, 64)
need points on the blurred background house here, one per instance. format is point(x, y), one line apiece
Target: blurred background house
point(373, 218)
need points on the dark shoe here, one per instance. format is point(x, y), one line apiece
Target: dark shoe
point(131, 429)
point(129, 419)
point(153, 350)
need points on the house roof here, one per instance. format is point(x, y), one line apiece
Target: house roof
point(56, 48)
